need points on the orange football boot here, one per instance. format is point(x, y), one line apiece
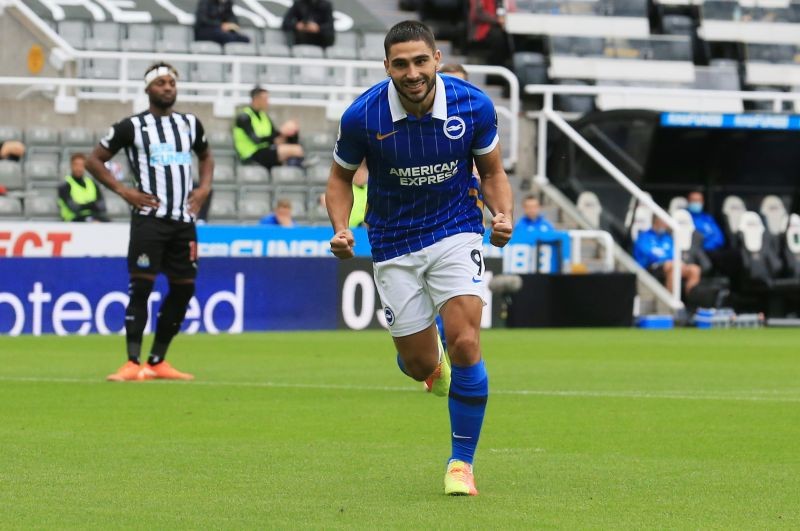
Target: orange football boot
point(163, 371)
point(126, 373)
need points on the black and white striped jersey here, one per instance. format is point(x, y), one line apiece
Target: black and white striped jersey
point(159, 152)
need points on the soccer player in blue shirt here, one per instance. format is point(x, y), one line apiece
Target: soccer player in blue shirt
point(419, 133)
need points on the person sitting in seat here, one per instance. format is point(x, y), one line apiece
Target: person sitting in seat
point(653, 251)
point(256, 138)
point(79, 197)
point(310, 22)
point(532, 220)
point(281, 217)
point(215, 21)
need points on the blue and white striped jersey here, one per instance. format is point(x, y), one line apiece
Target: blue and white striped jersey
point(421, 187)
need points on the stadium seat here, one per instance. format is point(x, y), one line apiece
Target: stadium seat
point(105, 36)
point(319, 141)
point(573, 102)
point(275, 43)
point(530, 68)
point(74, 32)
point(370, 76)
point(678, 202)
point(277, 75)
point(42, 206)
point(790, 246)
point(223, 205)
point(205, 48)
point(345, 46)
point(298, 198)
point(41, 170)
point(641, 220)
point(311, 75)
point(588, 205)
point(10, 207)
point(174, 39)
point(732, 209)
point(307, 51)
point(241, 48)
point(141, 38)
point(100, 68)
point(223, 173)
point(287, 175)
point(221, 141)
point(372, 47)
point(677, 25)
point(721, 74)
point(9, 132)
point(208, 72)
point(252, 174)
point(254, 203)
point(137, 68)
point(775, 214)
point(318, 174)
point(577, 46)
point(117, 208)
point(42, 138)
point(78, 137)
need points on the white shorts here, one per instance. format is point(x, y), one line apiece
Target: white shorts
point(413, 287)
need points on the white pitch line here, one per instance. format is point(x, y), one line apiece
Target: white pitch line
point(755, 395)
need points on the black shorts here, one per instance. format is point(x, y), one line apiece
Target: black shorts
point(267, 157)
point(657, 270)
point(162, 246)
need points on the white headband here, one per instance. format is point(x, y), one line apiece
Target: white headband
point(158, 72)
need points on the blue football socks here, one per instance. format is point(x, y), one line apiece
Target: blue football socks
point(469, 390)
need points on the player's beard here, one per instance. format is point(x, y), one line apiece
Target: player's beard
point(163, 102)
point(430, 83)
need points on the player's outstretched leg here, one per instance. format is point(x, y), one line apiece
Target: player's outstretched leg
point(170, 317)
point(139, 289)
point(469, 391)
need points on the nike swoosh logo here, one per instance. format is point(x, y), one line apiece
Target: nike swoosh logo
point(460, 436)
point(381, 137)
point(476, 281)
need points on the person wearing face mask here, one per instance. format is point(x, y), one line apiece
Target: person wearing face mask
point(653, 251)
point(704, 223)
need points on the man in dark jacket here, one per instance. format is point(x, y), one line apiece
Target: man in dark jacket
point(215, 21)
point(310, 22)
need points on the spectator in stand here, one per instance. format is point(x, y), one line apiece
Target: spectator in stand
point(310, 22)
point(653, 251)
point(704, 223)
point(257, 140)
point(79, 197)
point(487, 35)
point(12, 150)
point(281, 217)
point(454, 69)
point(215, 21)
point(533, 220)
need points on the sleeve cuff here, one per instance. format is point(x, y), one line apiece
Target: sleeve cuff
point(345, 164)
point(487, 149)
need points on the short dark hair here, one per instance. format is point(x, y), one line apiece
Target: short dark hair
point(531, 196)
point(76, 156)
point(408, 30)
point(256, 91)
point(454, 68)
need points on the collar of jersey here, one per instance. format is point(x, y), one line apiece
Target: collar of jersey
point(439, 102)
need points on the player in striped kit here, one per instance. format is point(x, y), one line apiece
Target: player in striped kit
point(158, 144)
point(419, 133)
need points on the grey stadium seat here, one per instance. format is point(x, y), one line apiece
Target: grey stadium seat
point(10, 207)
point(254, 203)
point(223, 205)
point(372, 47)
point(277, 74)
point(320, 141)
point(41, 170)
point(116, 207)
point(224, 173)
point(288, 175)
point(220, 140)
point(11, 176)
point(37, 136)
point(253, 174)
point(205, 47)
point(141, 38)
point(77, 136)
point(308, 51)
point(298, 199)
point(311, 75)
point(9, 132)
point(105, 36)
point(345, 46)
point(318, 174)
point(241, 48)
point(74, 32)
point(42, 206)
point(100, 68)
point(274, 44)
point(174, 38)
point(208, 73)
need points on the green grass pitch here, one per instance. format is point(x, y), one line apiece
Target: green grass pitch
point(585, 429)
